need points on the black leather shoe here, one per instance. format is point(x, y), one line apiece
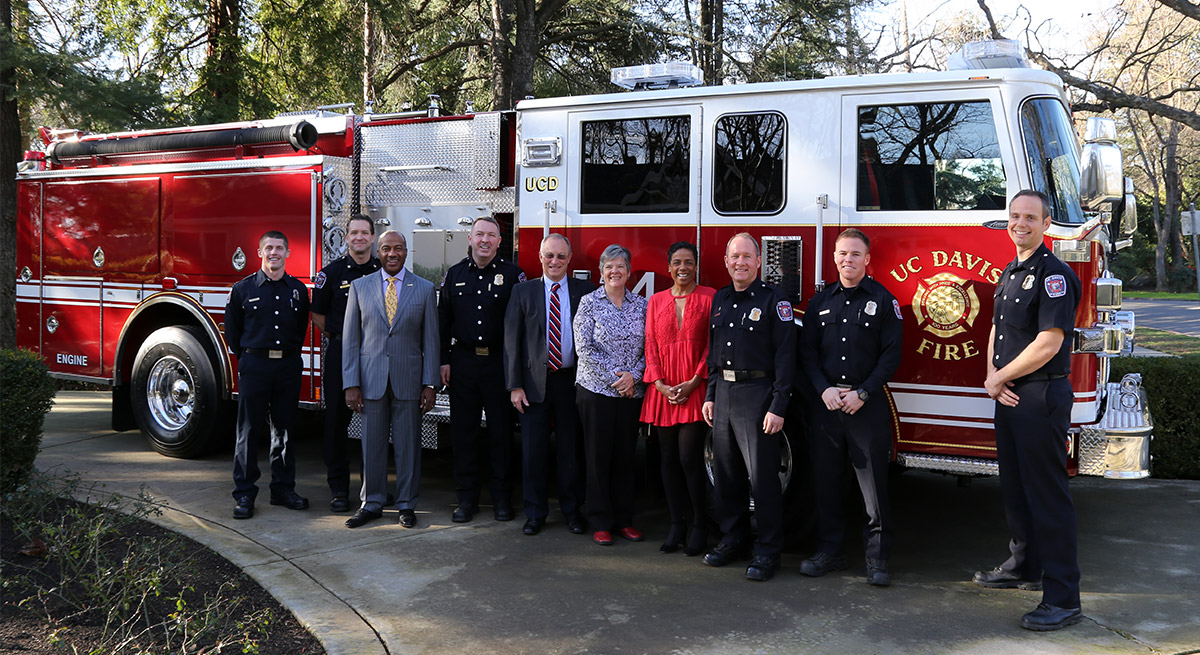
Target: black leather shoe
point(533, 526)
point(339, 503)
point(407, 518)
point(674, 540)
point(244, 508)
point(576, 524)
point(1048, 617)
point(877, 572)
point(290, 500)
point(998, 578)
point(762, 567)
point(503, 511)
point(822, 563)
point(463, 513)
point(362, 517)
point(723, 553)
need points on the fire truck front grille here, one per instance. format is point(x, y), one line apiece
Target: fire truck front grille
point(949, 464)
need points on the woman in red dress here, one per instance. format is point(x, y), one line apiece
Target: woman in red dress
point(676, 354)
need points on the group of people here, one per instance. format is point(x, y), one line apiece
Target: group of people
point(582, 365)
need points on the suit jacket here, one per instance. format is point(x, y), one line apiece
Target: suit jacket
point(405, 353)
point(525, 352)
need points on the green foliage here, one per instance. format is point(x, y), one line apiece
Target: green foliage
point(26, 394)
point(94, 564)
point(1170, 384)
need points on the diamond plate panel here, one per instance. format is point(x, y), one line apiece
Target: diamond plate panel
point(441, 158)
point(1093, 446)
point(782, 258)
point(948, 464)
point(486, 128)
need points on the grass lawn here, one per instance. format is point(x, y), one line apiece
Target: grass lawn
point(1167, 342)
point(1159, 295)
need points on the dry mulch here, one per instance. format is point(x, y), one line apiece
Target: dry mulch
point(28, 631)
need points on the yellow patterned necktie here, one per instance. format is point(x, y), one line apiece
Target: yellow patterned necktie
point(389, 300)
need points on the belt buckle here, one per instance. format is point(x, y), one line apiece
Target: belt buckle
point(482, 351)
point(275, 354)
point(729, 376)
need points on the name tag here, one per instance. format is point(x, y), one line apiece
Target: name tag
point(460, 284)
point(255, 299)
point(823, 312)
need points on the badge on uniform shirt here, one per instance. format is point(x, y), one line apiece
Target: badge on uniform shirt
point(784, 309)
point(295, 294)
point(896, 306)
point(499, 279)
point(1028, 282)
point(871, 307)
point(320, 280)
point(755, 314)
point(1056, 286)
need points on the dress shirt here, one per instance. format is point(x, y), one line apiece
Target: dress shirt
point(564, 303)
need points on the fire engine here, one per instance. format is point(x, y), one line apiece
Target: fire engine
point(128, 243)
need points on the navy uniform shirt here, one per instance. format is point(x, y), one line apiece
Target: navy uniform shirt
point(472, 303)
point(753, 330)
point(852, 337)
point(1037, 294)
point(267, 314)
point(332, 288)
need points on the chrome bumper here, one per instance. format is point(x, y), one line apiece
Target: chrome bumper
point(1118, 446)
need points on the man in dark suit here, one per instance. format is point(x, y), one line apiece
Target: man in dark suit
point(539, 367)
point(389, 366)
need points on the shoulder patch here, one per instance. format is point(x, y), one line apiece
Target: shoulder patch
point(784, 309)
point(319, 282)
point(1056, 286)
point(521, 276)
point(896, 306)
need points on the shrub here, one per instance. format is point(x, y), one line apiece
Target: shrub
point(26, 394)
point(1170, 383)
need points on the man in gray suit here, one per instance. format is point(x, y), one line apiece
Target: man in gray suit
point(389, 366)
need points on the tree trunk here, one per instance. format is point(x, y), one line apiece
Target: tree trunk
point(1173, 193)
point(525, 50)
point(222, 68)
point(503, 12)
point(10, 153)
point(718, 42)
point(368, 79)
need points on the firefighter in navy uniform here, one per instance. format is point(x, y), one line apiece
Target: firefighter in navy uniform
point(474, 297)
point(751, 358)
point(1029, 357)
point(849, 349)
point(331, 288)
point(265, 321)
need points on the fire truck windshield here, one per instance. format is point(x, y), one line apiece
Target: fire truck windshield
point(1053, 155)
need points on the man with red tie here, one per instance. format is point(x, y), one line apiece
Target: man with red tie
point(539, 368)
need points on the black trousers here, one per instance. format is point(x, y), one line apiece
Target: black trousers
point(268, 392)
point(334, 446)
point(743, 453)
point(557, 413)
point(681, 448)
point(865, 439)
point(1031, 444)
point(477, 385)
point(609, 439)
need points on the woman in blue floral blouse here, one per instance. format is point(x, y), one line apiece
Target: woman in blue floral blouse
point(610, 328)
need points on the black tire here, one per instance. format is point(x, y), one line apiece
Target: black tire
point(175, 395)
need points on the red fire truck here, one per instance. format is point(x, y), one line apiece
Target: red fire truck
point(128, 243)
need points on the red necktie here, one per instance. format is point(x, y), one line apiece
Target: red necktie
point(555, 329)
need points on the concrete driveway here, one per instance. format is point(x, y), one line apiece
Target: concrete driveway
point(1182, 316)
point(483, 587)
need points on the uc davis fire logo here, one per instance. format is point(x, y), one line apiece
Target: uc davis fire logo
point(945, 304)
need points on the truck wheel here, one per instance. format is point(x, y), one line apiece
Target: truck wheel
point(174, 395)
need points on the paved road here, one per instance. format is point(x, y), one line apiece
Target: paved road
point(482, 587)
point(1181, 316)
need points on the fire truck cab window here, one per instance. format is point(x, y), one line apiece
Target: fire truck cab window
point(748, 163)
point(1051, 150)
point(930, 156)
point(637, 165)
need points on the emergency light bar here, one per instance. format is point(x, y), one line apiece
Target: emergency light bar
point(658, 76)
point(1001, 53)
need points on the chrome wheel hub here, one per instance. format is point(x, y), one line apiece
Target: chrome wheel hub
point(170, 393)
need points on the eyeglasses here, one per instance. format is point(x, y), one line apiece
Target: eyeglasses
point(550, 256)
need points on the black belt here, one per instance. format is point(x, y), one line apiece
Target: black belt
point(731, 375)
point(482, 351)
point(1040, 377)
point(272, 354)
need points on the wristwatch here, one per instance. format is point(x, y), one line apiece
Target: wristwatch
point(863, 395)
